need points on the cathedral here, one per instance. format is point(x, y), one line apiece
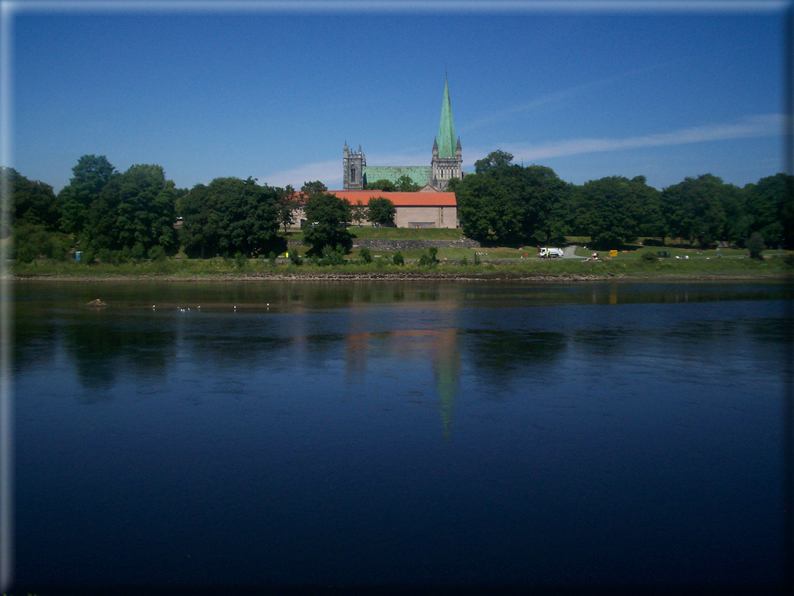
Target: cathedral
point(446, 162)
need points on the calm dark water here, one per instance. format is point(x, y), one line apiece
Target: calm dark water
point(389, 434)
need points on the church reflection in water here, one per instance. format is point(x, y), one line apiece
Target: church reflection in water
point(439, 348)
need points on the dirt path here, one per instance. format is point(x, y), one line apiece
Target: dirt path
point(569, 252)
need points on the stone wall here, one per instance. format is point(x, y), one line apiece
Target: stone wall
point(378, 244)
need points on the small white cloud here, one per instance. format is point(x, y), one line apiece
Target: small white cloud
point(327, 172)
point(762, 125)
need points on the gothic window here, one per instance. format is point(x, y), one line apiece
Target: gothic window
point(353, 174)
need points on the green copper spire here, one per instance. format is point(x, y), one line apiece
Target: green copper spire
point(446, 129)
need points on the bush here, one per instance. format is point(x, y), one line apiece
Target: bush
point(755, 244)
point(295, 258)
point(157, 253)
point(137, 252)
point(429, 260)
point(477, 259)
point(272, 258)
point(32, 241)
point(649, 256)
point(366, 255)
point(105, 256)
point(464, 261)
point(333, 256)
point(240, 259)
point(398, 259)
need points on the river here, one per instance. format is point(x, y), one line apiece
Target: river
point(457, 434)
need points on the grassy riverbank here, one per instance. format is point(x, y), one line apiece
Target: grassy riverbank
point(514, 268)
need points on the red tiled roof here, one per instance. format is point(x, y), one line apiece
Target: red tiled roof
point(400, 199)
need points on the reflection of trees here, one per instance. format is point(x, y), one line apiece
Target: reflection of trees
point(233, 339)
point(103, 344)
point(34, 340)
point(771, 331)
point(501, 355)
point(602, 342)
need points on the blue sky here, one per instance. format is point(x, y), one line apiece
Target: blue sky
point(665, 90)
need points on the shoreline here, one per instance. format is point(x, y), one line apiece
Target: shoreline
point(413, 276)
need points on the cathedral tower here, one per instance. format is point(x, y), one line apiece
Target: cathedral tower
point(353, 168)
point(447, 160)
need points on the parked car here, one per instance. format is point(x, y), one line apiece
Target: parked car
point(550, 253)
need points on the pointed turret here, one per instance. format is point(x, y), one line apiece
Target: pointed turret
point(458, 149)
point(446, 129)
point(435, 147)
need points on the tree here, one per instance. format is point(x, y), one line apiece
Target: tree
point(770, 210)
point(91, 174)
point(494, 159)
point(545, 201)
point(33, 240)
point(287, 204)
point(381, 211)
point(755, 244)
point(231, 215)
point(32, 202)
point(652, 222)
point(358, 212)
point(94, 171)
point(133, 212)
point(695, 209)
point(510, 204)
point(406, 184)
point(326, 220)
point(313, 187)
point(382, 184)
point(609, 210)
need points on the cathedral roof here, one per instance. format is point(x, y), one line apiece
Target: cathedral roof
point(421, 175)
point(446, 128)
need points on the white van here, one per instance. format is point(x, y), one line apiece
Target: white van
point(550, 253)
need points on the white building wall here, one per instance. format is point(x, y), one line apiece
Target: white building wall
point(409, 217)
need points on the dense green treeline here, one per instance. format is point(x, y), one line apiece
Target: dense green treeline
point(115, 217)
point(231, 216)
point(504, 203)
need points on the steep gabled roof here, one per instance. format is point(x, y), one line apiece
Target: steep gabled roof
point(421, 175)
point(446, 128)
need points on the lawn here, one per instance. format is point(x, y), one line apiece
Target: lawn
point(673, 251)
point(369, 232)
